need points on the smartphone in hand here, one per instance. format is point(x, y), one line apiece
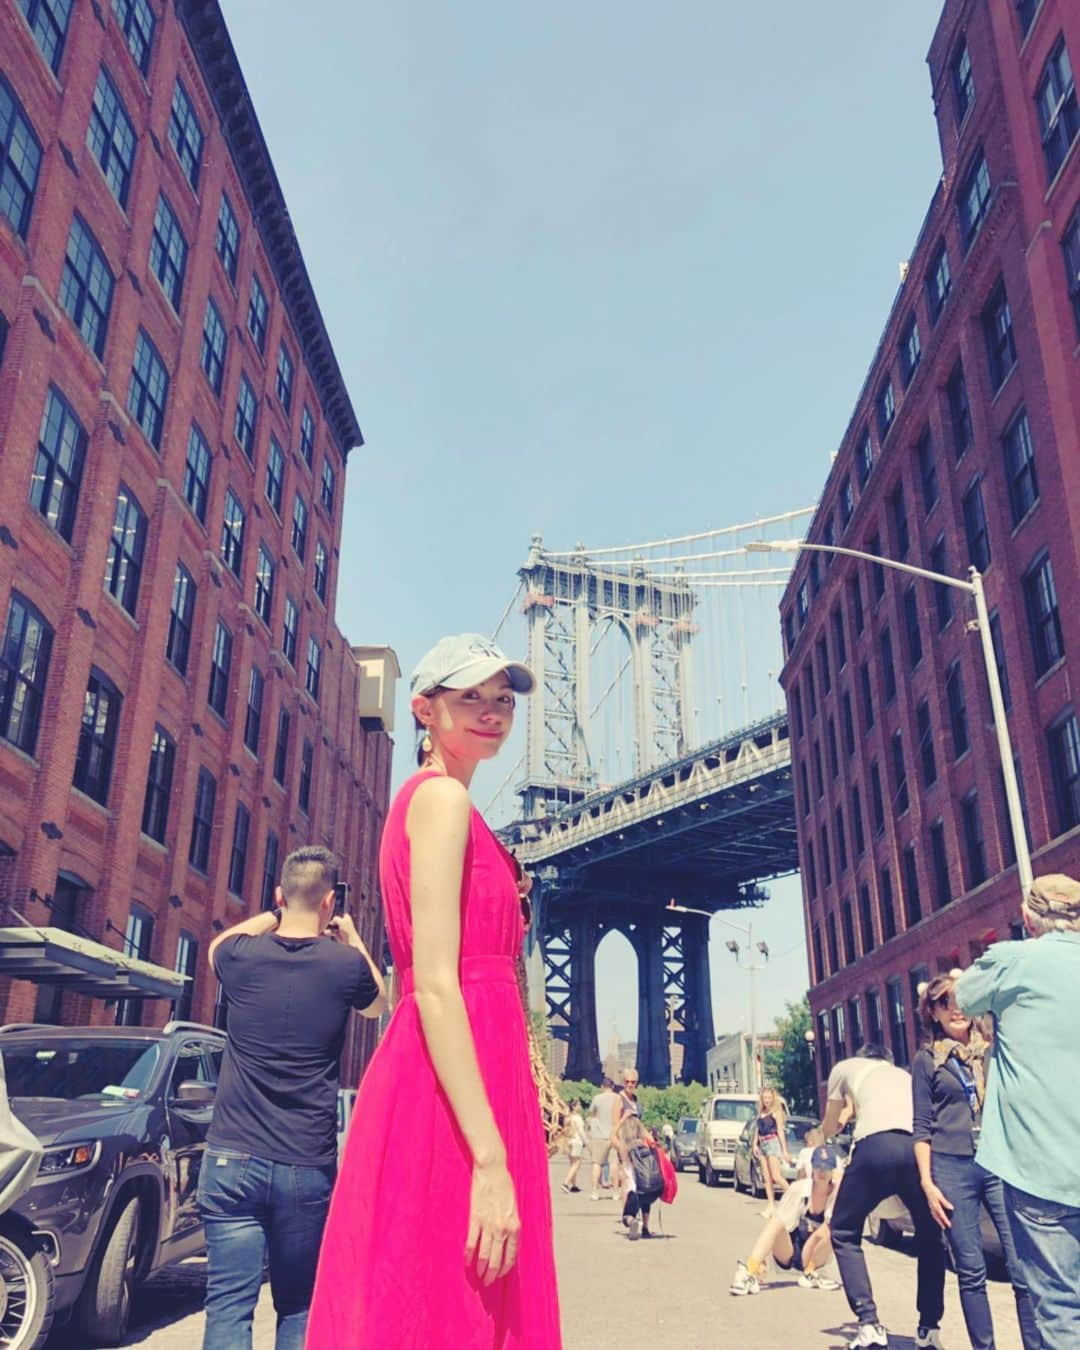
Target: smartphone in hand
point(341, 892)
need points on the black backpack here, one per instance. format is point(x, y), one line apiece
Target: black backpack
point(648, 1178)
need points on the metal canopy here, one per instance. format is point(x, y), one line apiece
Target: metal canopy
point(53, 956)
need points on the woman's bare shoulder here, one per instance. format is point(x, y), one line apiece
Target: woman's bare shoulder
point(438, 802)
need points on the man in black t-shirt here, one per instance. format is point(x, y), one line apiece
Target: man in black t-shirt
point(291, 979)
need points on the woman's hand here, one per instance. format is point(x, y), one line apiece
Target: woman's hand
point(494, 1225)
point(940, 1207)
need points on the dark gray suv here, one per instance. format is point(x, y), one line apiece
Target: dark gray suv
point(122, 1114)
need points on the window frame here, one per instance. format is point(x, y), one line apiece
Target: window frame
point(80, 294)
point(159, 776)
point(110, 125)
point(214, 350)
point(1021, 475)
point(126, 550)
point(233, 533)
point(24, 680)
point(168, 254)
point(221, 660)
point(60, 437)
point(198, 468)
point(95, 756)
point(227, 238)
point(132, 16)
point(142, 401)
point(181, 620)
point(185, 134)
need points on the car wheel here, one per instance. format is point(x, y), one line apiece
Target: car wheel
point(736, 1183)
point(106, 1300)
point(26, 1290)
point(711, 1179)
point(757, 1181)
point(701, 1176)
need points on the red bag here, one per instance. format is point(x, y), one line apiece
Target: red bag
point(671, 1181)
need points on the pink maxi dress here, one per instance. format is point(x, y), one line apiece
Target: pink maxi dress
point(392, 1271)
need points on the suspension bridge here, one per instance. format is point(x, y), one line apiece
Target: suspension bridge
point(656, 769)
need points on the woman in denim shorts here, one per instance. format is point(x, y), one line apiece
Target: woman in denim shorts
point(770, 1145)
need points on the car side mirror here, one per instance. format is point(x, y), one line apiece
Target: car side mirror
point(194, 1095)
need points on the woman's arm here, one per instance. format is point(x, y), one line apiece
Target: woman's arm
point(781, 1132)
point(940, 1207)
point(437, 825)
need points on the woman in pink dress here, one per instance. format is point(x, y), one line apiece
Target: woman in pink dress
point(439, 1233)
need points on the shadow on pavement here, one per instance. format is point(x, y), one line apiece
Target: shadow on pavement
point(843, 1335)
point(166, 1298)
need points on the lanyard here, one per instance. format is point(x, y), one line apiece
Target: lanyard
point(967, 1082)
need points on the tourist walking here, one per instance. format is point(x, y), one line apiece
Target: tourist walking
point(770, 1146)
point(1031, 1116)
point(271, 1151)
point(601, 1128)
point(575, 1146)
point(644, 1179)
point(882, 1163)
point(439, 1232)
point(948, 1089)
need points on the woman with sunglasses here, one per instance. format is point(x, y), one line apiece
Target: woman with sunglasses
point(948, 1086)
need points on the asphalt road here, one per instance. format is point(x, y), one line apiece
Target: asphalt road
point(619, 1295)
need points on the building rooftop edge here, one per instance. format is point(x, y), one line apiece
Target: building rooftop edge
point(208, 34)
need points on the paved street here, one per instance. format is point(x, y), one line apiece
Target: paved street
point(669, 1293)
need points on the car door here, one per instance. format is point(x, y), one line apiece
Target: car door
point(187, 1138)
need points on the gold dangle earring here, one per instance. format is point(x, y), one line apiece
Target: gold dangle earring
point(426, 745)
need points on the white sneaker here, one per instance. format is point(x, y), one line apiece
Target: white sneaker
point(824, 1282)
point(870, 1334)
point(808, 1281)
point(928, 1339)
point(742, 1282)
point(594, 1196)
point(635, 1228)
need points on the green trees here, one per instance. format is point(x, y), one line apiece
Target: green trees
point(791, 1067)
point(657, 1104)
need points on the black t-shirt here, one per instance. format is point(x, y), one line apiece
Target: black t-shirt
point(289, 1001)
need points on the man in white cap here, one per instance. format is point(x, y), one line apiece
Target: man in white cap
point(1031, 1115)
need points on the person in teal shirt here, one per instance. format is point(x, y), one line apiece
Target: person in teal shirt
point(1031, 1115)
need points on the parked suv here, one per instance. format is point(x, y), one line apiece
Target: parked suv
point(122, 1113)
point(722, 1119)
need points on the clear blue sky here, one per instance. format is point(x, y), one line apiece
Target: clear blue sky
point(608, 272)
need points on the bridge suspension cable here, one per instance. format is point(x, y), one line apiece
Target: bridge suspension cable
point(802, 512)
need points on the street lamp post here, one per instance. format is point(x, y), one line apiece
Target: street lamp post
point(973, 587)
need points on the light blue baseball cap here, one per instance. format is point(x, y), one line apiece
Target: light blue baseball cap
point(464, 661)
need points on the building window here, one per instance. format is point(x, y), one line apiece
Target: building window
point(867, 697)
point(824, 1055)
point(136, 20)
point(328, 486)
point(227, 238)
point(802, 605)
point(86, 286)
point(855, 592)
point(839, 643)
point(805, 782)
point(959, 410)
point(973, 201)
point(275, 475)
point(185, 134)
point(975, 528)
point(220, 668)
point(888, 666)
point(811, 691)
point(911, 627)
point(940, 859)
point(268, 895)
point(819, 779)
point(847, 501)
point(232, 534)
point(954, 697)
point(912, 901)
point(927, 758)
point(321, 570)
point(855, 1020)
point(307, 436)
point(841, 841)
point(900, 788)
point(258, 314)
point(187, 964)
point(253, 715)
point(901, 533)
point(998, 331)
point(123, 565)
point(898, 1023)
point(963, 80)
point(839, 1038)
point(97, 737)
point(823, 666)
point(857, 823)
point(281, 746)
point(885, 405)
point(928, 475)
point(202, 821)
point(48, 20)
point(1064, 743)
point(20, 161)
point(246, 417)
point(1025, 10)
point(811, 871)
point(819, 971)
point(181, 619)
point(834, 758)
point(847, 720)
point(866, 920)
point(1044, 621)
point(877, 572)
point(214, 346)
point(168, 252)
point(313, 667)
point(910, 350)
point(973, 839)
point(1055, 98)
point(58, 465)
point(264, 585)
point(149, 390)
point(290, 628)
point(797, 713)
point(299, 527)
point(284, 381)
point(307, 766)
point(828, 537)
point(997, 639)
point(158, 786)
point(238, 852)
point(197, 473)
point(888, 909)
point(864, 459)
point(938, 281)
point(111, 138)
point(942, 593)
point(832, 947)
point(138, 936)
point(1020, 467)
point(1070, 248)
point(24, 671)
point(877, 800)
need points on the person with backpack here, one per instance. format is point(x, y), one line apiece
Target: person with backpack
point(644, 1177)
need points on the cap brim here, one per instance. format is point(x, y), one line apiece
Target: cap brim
point(522, 680)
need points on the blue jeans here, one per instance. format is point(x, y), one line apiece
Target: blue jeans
point(253, 1208)
point(1047, 1238)
point(968, 1186)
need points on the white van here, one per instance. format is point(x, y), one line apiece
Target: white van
point(722, 1119)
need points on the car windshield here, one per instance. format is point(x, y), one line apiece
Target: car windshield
point(80, 1069)
point(725, 1110)
point(688, 1125)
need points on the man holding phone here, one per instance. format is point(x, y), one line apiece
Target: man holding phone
point(292, 978)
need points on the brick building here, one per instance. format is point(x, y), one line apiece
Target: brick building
point(178, 708)
point(964, 447)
